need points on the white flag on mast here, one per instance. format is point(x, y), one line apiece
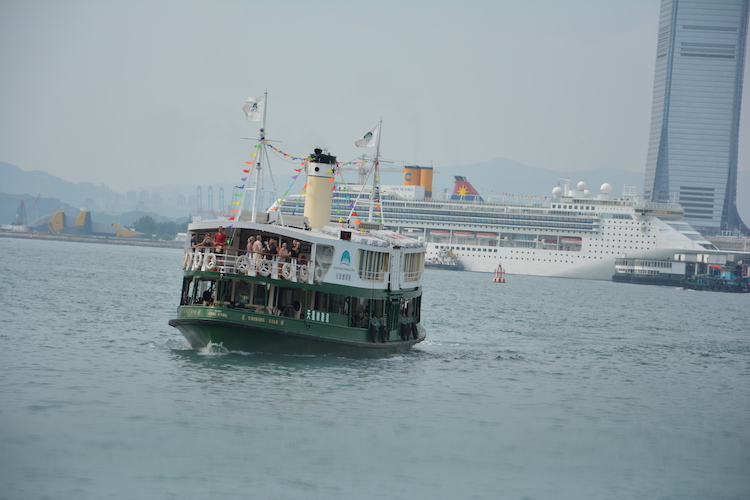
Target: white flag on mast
point(369, 139)
point(253, 109)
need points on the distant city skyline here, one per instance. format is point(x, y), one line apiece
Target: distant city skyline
point(692, 157)
point(135, 94)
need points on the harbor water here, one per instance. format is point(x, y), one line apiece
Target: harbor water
point(537, 388)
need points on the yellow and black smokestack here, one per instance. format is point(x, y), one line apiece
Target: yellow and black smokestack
point(321, 169)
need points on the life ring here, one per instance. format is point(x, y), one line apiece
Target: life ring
point(373, 333)
point(242, 264)
point(304, 272)
point(318, 274)
point(414, 331)
point(187, 261)
point(264, 268)
point(287, 271)
point(197, 258)
point(383, 334)
point(210, 261)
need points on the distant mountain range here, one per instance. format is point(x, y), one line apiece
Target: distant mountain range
point(493, 179)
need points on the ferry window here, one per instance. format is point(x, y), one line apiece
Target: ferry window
point(259, 295)
point(360, 305)
point(412, 266)
point(320, 301)
point(406, 308)
point(202, 287)
point(372, 265)
point(284, 299)
point(188, 289)
point(360, 312)
point(338, 304)
point(242, 292)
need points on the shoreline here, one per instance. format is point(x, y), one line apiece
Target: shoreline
point(106, 240)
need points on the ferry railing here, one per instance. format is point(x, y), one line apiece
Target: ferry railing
point(376, 276)
point(412, 276)
point(233, 261)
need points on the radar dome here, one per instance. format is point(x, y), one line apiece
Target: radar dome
point(581, 186)
point(606, 188)
point(557, 191)
point(586, 193)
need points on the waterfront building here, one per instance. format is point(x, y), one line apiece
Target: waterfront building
point(693, 146)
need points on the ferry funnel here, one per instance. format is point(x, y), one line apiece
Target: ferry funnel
point(321, 168)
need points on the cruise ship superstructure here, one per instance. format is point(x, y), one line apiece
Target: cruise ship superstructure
point(572, 234)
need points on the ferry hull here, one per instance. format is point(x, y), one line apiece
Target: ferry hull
point(277, 335)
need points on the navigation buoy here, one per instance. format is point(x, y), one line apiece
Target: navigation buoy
point(499, 275)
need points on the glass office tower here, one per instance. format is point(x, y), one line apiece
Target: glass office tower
point(695, 117)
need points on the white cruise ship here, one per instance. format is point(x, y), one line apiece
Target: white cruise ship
point(573, 234)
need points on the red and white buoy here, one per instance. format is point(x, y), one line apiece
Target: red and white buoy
point(499, 275)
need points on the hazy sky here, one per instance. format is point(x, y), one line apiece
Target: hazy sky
point(140, 93)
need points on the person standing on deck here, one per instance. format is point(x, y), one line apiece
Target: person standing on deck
point(220, 240)
point(257, 250)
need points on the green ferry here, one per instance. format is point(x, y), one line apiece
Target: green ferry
point(337, 290)
point(719, 279)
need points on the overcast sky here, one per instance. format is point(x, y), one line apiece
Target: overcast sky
point(140, 93)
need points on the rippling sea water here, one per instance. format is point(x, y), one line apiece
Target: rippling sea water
point(534, 389)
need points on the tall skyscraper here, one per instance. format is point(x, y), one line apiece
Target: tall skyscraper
point(695, 117)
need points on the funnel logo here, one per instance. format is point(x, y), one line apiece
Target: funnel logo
point(346, 259)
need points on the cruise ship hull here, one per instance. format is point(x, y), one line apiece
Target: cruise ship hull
point(485, 259)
